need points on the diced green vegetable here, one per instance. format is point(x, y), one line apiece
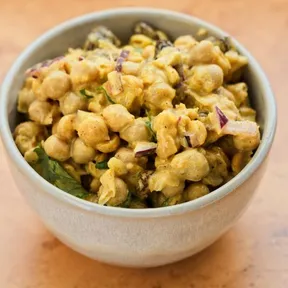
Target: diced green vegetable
point(54, 173)
point(102, 165)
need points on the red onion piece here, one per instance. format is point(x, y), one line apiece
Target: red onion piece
point(241, 127)
point(123, 56)
point(192, 140)
point(144, 149)
point(221, 116)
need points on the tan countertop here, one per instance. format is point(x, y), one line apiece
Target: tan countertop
point(253, 254)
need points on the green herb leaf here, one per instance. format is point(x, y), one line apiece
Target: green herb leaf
point(102, 89)
point(53, 172)
point(102, 165)
point(84, 93)
point(153, 134)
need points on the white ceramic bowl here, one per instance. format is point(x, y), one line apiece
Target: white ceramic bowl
point(145, 237)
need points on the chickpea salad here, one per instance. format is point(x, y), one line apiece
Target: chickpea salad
point(152, 123)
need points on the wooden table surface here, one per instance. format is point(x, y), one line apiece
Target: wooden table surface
point(252, 254)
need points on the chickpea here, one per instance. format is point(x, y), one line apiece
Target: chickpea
point(43, 112)
point(167, 181)
point(236, 61)
point(172, 191)
point(226, 143)
point(57, 148)
point(148, 52)
point(131, 68)
point(194, 191)
point(219, 164)
point(159, 200)
point(190, 165)
point(165, 126)
point(247, 113)
point(104, 66)
point(71, 103)
point(159, 96)
point(246, 142)
point(185, 42)
point(168, 56)
point(205, 52)
point(170, 120)
point(206, 78)
point(162, 163)
point(172, 75)
point(28, 134)
point(37, 90)
point(240, 92)
point(126, 155)
point(202, 53)
point(117, 166)
point(167, 145)
point(55, 85)
point(81, 116)
point(25, 99)
point(121, 193)
point(31, 156)
point(113, 190)
point(29, 129)
point(136, 132)
point(140, 41)
point(65, 129)
point(196, 133)
point(97, 104)
point(83, 72)
point(95, 185)
point(117, 117)
point(55, 126)
point(93, 131)
point(101, 157)
point(81, 153)
point(150, 74)
point(240, 160)
point(131, 96)
point(109, 145)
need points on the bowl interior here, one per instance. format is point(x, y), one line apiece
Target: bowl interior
point(72, 34)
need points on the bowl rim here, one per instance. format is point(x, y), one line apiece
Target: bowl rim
point(19, 161)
